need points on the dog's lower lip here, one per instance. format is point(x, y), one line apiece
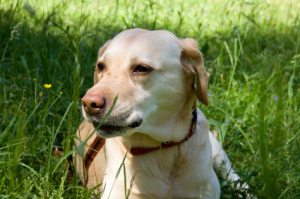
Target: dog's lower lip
point(105, 127)
point(108, 127)
point(136, 124)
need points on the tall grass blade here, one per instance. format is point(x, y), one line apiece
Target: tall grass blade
point(117, 174)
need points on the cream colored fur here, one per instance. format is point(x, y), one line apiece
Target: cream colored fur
point(163, 98)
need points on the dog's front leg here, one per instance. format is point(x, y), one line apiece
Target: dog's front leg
point(221, 162)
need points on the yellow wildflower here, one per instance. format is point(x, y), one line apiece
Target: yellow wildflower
point(61, 93)
point(47, 86)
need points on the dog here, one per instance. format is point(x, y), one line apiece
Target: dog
point(143, 110)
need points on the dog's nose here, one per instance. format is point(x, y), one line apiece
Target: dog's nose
point(92, 104)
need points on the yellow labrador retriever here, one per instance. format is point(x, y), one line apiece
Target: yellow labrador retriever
point(155, 121)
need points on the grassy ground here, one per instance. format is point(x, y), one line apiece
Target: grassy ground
point(252, 55)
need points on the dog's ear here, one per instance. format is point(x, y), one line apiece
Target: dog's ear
point(100, 52)
point(192, 61)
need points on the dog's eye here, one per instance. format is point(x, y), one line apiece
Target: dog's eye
point(100, 66)
point(140, 69)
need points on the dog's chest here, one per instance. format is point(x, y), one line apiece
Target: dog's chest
point(163, 174)
point(176, 172)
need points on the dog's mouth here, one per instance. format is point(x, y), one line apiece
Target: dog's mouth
point(111, 130)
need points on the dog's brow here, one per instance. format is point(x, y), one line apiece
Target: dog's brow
point(100, 59)
point(134, 60)
point(141, 61)
point(137, 61)
point(104, 60)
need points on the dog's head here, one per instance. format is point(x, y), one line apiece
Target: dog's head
point(152, 74)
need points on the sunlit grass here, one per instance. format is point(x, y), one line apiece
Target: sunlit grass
point(47, 55)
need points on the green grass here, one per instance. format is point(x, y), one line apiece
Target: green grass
point(252, 56)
